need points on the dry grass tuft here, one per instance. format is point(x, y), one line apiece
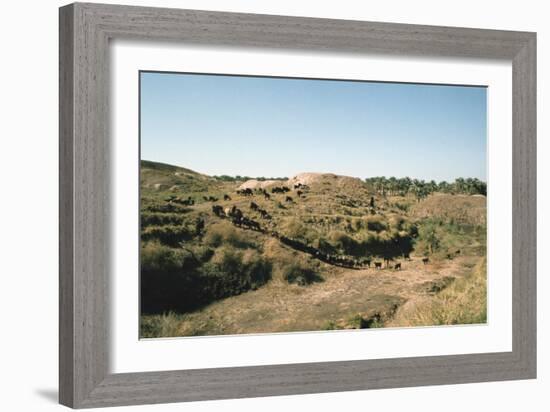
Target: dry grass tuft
point(464, 301)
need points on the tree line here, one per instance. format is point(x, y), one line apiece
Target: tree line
point(239, 178)
point(402, 186)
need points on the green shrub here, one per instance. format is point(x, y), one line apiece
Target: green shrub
point(158, 257)
point(160, 219)
point(295, 229)
point(168, 235)
point(376, 224)
point(294, 272)
point(232, 271)
point(223, 233)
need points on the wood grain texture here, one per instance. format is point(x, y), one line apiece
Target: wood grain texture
point(85, 31)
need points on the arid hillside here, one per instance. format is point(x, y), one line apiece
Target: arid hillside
point(223, 255)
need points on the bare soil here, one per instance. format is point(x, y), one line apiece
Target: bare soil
point(337, 302)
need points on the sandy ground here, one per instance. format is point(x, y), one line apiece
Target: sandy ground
point(342, 296)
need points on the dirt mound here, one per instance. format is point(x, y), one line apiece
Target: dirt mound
point(311, 178)
point(461, 208)
point(307, 178)
point(258, 184)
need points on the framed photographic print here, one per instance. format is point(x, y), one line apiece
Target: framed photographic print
point(256, 205)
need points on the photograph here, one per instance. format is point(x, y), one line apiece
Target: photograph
point(280, 205)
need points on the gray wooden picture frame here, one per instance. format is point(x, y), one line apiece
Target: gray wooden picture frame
point(85, 31)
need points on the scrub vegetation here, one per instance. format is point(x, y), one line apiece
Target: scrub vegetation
point(230, 255)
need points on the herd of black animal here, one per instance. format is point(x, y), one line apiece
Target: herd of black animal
point(238, 219)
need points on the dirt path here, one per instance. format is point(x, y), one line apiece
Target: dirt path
point(339, 301)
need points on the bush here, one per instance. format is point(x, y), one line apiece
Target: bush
point(223, 233)
point(232, 271)
point(295, 229)
point(183, 280)
point(168, 235)
point(160, 219)
point(376, 224)
point(157, 257)
point(165, 325)
point(293, 272)
point(345, 243)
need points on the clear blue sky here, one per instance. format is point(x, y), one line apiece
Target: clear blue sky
point(257, 126)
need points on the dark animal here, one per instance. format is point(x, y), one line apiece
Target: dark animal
point(367, 262)
point(226, 197)
point(245, 192)
point(266, 195)
point(449, 256)
point(234, 212)
point(264, 214)
point(185, 202)
point(289, 199)
point(218, 210)
point(250, 224)
point(255, 225)
point(378, 265)
point(281, 189)
point(406, 256)
point(397, 266)
point(254, 206)
point(387, 261)
point(210, 198)
point(199, 225)
point(299, 193)
point(457, 252)
point(425, 260)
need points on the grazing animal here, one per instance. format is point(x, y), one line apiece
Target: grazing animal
point(266, 195)
point(457, 252)
point(185, 202)
point(397, 266)
point(449, 256)
point(234, 212)
point(254, 206)
point(264, 214)
point(245, 192)
point(289, 199)
point(281, 189)
point(378, 265)
point(199, 225)
point(226, 197)
point(210, 198)
point(367, 262)
point(299, 193)
point(218, 210)
point(387, 261)
point(406, 256)
point(425, 260)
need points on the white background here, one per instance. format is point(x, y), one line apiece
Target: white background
point(28, 138)
point(132, 355)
